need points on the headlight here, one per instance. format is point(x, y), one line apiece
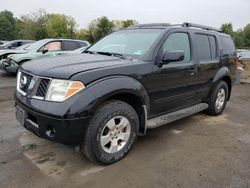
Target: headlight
point(10, 56)
point(60, 90)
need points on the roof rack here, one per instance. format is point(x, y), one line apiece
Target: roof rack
point(150, 25)
point(164, 25)
point(186, 24)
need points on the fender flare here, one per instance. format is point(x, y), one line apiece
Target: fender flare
point(107, 87)
point(224, 71)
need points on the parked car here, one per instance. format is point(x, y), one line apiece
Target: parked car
point(243, 54)
point(41, 49)
point(132, 80)
point(21, 49)
point(14, 44)
point(2, 42)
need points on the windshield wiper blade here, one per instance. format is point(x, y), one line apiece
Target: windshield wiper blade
point(113, 54)
point(89, 52)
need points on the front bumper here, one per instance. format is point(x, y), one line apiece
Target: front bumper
point(62, 130)
point(9, 65)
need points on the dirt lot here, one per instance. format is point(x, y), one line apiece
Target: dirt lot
point(198, 151)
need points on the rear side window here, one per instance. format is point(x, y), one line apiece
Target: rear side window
point(14, 45)
point(203, 47)
point(213, 47)
point(227, 45)
point(70, 45)
point(19, 44)
point(81, 44)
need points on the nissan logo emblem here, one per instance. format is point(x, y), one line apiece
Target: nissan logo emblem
point(23, 82)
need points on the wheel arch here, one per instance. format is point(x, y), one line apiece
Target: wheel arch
point(126, 89)
point(223, 75)
point(137, 104)
point(23, 61)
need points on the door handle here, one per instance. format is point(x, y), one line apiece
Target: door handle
point(191, 71)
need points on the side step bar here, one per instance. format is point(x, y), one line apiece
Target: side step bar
point(173, 116)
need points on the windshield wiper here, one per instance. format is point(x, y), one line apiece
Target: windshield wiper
point(112, 54)
point(89, 52)
point(108, 54)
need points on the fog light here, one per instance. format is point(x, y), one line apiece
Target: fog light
point(6, 64)
point(50, 132)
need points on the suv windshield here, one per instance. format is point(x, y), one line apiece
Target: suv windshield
point(133, 43)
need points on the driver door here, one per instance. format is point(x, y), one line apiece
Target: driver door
point(50, 49)
point(173, 85)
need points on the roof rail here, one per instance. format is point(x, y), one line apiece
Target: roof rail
point(186, 24)
point(150, 25)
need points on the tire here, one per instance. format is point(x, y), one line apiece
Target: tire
point(218, 99)
point(111, 132)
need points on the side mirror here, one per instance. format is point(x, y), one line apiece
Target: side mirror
point(173, 56)
point(45, 50)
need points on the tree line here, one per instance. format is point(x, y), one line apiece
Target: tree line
point(241, 37)
point(40, 24)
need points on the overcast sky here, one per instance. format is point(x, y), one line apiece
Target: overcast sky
point(208, 12)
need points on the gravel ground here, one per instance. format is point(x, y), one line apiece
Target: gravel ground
point(198, 151)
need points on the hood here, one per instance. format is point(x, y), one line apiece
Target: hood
point(65, 66)
point(9, 51)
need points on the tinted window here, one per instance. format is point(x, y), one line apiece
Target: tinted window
point(81, 44)
point(14, 45)
point(213, 47)
point(227, 45)
point(70, 45)
point(19, 44)
point(203, 47)
point(178, 41)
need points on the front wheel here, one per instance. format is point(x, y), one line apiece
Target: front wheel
point(218, 99)
point(111, 132)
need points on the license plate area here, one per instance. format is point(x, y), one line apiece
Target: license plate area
point(21, 115)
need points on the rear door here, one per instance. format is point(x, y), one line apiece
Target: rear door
point(174, 84)
point(208, 60)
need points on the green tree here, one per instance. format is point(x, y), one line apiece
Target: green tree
point(7, 25)
point(103, 27)
point(227, 28)
point(97, 29)
point(247, 35)
point(124, 23)
point(239, 38)
point(60, 25)
point(32, 26)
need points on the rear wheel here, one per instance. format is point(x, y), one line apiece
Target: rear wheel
point(218, 99)
point(111, 132)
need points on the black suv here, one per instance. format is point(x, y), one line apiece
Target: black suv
point(129, 81)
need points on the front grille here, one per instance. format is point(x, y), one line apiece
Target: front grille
point(32, 86)
point(42, 88)
point(24, 86)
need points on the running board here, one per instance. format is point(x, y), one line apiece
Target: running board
point(173, 116)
